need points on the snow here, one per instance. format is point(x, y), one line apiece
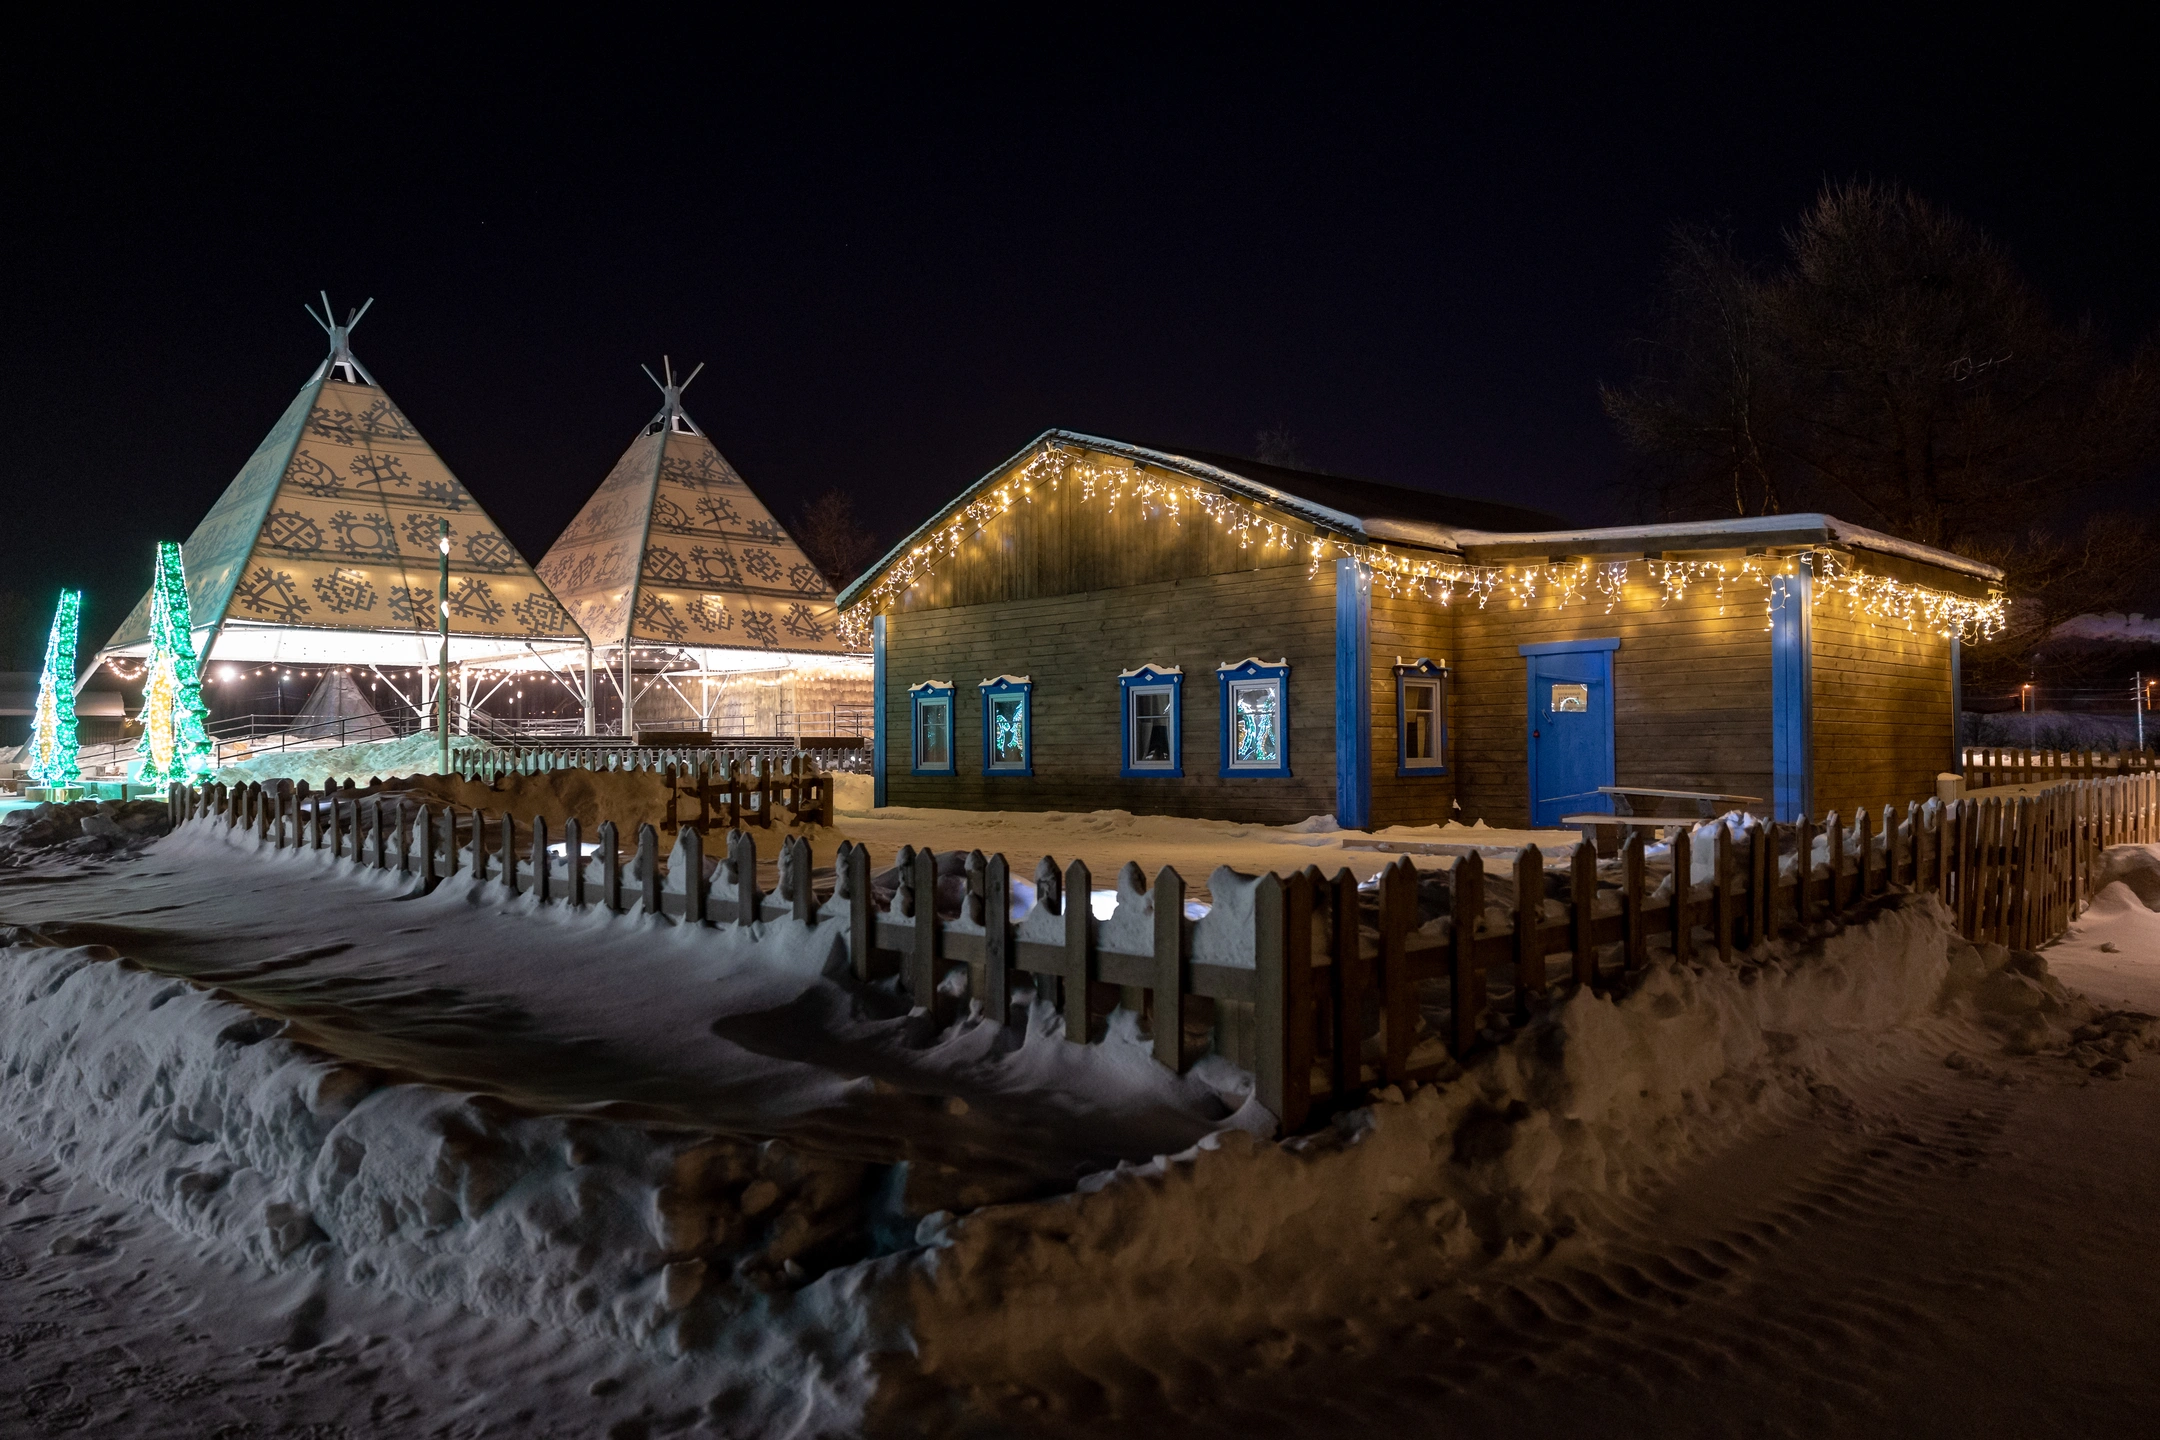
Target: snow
point(419, 754)
point(640, 1173)
point(2127, 629)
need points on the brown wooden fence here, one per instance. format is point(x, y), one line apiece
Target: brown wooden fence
point(1990, 765)
point(1321, 986)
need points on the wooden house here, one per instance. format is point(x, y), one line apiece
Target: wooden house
point(1097, 624)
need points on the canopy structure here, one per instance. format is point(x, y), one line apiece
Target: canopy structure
point(335, 709)
point(324, 549)
point(674, 567)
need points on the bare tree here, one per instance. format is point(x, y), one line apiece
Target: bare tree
point(840, 545)
point(1277, 446)
point(1896, 369)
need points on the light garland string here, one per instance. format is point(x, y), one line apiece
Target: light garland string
point(1570, 581)
point(55, 757)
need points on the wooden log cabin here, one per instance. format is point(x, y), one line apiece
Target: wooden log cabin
point(1096, 624)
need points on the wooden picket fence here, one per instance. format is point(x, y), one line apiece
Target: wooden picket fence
point(1990, 765)
point(731, 789)
point(1322, 987)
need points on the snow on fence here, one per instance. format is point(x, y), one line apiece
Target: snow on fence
point(493, 761)
point(1321, 986)
point(1985, 766)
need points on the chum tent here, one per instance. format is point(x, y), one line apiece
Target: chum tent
point(336, 710)
point(675, 567)
point(324, 549)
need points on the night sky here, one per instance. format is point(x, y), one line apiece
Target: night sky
point(903, 253)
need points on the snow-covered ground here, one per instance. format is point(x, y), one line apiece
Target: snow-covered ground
point(280, 1149)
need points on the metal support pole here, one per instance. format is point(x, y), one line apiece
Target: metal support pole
point(442, 629)
point(629, 694)
point(589, 732)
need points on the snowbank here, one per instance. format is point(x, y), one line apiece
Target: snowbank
point(1525, 1152)
point(194, 1107)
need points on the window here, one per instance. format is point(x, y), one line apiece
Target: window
point(1008, 726)
point(1568, 699)
point(1421, 718)
point(1255, 718)
point(931, 707)
point(1153, 697)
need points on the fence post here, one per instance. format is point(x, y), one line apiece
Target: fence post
point(1168, 979)
point(1834, 834)
point(996, 921)
point(1398, 989)
point(1353, 982)
point(1529, 942)
point(424, 833)
point(1762, 881)
point(690, 854)
point(1283, 911)
point(543, 869)
point(509, 856)
point(1582, 890)
point(765, 792)
point(1804, 895)
point(573, 834)
point(610, 867)
point(648, 855)
point(379, 839)
point(1631, 899)
point(1079, 920)
point(337, 824)
point(853, 872)
point(922, 959)
point(1278, 1083)
point(1721, 880)
point(1466, 979)
point(1683, 894)
point(742, 854)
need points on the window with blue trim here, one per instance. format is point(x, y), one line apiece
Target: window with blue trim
point(1152, 701)
point(1255, 717)
point(1421, 718)
point(1008, 726)
point(930, 710)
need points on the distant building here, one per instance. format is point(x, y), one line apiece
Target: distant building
point(1100, 624)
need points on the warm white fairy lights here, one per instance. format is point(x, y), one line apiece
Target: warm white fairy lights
point(1568, 581)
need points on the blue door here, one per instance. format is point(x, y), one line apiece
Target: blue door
point(1571, 727)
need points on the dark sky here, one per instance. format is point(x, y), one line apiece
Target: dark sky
point(904, 252)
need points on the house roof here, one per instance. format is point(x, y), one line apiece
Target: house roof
point(1477, 530)
point(1363, 510)
point(674, 549)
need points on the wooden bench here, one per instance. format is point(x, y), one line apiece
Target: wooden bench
point(1605, 831)
point(1707, 803)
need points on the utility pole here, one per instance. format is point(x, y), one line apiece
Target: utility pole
point(442, 659)
point(2137, 697)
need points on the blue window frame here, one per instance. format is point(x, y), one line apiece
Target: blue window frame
point(930, 727)
point(1151, 702)
point(1008, 719)
point(1255, 718)
point(1421, 718)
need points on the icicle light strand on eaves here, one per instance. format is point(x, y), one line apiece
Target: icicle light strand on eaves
point(1569, 582)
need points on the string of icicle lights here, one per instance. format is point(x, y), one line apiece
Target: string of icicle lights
point(1568, 582)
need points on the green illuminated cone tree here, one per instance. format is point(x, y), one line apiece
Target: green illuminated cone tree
point(53, 752)
point(175, 745)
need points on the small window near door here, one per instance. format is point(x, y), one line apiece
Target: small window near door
point(1151, 726)
point(1008, 726)
point(930, 707)
point(1256, 721)
point(1570, 699)
point(1421, 718)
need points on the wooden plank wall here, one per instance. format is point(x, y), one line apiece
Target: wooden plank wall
point(1691, 694)
point(1882, 721)
point(1408, 628)
point(1073, 646)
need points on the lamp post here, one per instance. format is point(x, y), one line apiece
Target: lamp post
point(442, 630)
